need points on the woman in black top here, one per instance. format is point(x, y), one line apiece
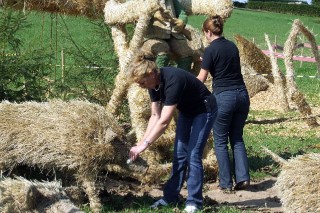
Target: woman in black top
point(172, 88)
point(221, 59)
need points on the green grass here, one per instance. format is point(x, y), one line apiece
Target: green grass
point(254, 24)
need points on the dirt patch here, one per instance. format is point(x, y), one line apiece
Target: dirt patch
point(261, 196)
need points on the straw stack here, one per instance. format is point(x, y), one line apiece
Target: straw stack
point(299, 184)
point(21, 195)
point(92, 8)
point(76, 136)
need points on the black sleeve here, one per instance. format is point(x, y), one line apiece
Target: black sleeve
point(207, 62)
point(173, 91)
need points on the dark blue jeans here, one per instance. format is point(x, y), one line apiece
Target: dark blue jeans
point(233, 109)
point(191, 137)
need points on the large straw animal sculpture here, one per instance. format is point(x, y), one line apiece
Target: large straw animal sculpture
point(298, 183)
point(20, 195)
point(283, 89)
point(76, 137)
point(117, 15)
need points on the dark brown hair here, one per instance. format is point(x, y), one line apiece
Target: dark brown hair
point(214, 24)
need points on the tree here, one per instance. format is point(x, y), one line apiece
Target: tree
point(22, 75)
point(316, 3)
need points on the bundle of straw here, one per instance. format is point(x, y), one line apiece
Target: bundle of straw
point(21, 195)
point(299, 184)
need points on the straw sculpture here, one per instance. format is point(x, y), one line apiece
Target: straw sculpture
point(293, 92)
point(298, 184)
point(279, 80)
point(255, 66)
point(116, 16)
point(77, 137)
point(251, 55)
point(21, 195)
point(93, 8)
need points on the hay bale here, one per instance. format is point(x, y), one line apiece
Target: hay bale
point(20, 195)
point(76, 136)
point(299, 184)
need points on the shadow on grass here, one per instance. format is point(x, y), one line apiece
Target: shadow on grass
point(268, 121)
point(113, 201)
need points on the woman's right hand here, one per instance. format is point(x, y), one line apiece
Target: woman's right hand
point(136, 150)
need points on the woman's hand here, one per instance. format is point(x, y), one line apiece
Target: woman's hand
point(136, 150)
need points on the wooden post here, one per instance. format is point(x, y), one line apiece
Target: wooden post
point(301, 52)
point(62, 66)
point(275, 43)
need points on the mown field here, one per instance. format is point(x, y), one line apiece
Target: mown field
point(286, 134)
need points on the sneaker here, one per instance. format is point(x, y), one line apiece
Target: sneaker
point(159, 203)
point(191, 209)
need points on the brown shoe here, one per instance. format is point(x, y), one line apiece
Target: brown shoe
point(243, 185)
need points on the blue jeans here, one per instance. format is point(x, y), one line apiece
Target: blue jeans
point(233, 109)
point(191, 137)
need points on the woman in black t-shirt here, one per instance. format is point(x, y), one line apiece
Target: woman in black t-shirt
point(221, 59)
point(172, 88)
